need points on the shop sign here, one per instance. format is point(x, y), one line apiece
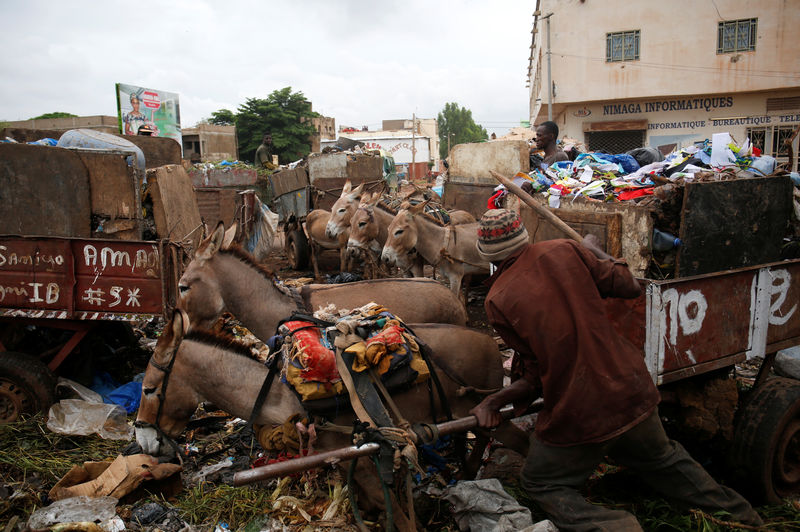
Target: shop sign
point(582, 113)
point(655, 106)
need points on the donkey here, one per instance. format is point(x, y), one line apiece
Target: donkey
point(451, 248)
point(221, 279)
point(186, 369)
point(367, 234)
point(319, 223)
point(369, 229)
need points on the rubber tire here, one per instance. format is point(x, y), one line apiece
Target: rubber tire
point(297, 250)
point(766, 444)
point(27, 386)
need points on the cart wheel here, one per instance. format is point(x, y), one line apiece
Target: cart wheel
point(297, 250)
point(766, 446)
point(27, 386)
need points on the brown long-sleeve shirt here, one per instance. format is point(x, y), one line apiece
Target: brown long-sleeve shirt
point(547, 303)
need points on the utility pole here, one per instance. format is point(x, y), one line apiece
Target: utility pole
point(412, 172)
point(549, 75)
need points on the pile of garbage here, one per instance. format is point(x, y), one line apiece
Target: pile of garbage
point(635, 174)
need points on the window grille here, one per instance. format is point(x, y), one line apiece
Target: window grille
point(622, 46)
point(737, 35)
point(614, 141)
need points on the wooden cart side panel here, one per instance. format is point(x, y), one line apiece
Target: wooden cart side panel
point(85, 279)
point(732, 224)
point(697, 324)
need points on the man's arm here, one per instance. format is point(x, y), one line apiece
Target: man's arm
point(521, 393)
point(612, 276)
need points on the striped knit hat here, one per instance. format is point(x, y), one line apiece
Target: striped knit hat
point(500, 233)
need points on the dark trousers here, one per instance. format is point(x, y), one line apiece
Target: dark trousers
point(553, 475)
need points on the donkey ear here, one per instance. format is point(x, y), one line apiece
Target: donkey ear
point(346, 188)
point(212, 244)
point(418, 208)
point(171, 337)
point(356, 193)
point(230, 234)
point(376, 197)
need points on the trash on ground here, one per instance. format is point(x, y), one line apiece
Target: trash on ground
point(115, 479)
point(78, 417)
point(74, 510)
point(484, 506)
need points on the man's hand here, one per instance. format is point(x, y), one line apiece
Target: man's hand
point(487, 413)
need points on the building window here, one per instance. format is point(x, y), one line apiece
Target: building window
point(737, 35)
point(771, 140)
point(622, 46)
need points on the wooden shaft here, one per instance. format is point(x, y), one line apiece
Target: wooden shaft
point(539, 209)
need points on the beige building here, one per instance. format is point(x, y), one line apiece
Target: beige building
point(208, 142)
point(651, 73)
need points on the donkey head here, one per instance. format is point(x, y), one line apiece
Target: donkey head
point(200, 293)
point(364, 228)
point(165, 408)
point(402, 239)
point(343, 209)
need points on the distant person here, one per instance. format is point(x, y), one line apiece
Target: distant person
point(264, 152)
point(135, 119)
point(546, 136)
point(145, 131)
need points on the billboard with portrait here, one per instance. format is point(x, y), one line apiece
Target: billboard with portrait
point(140, 109)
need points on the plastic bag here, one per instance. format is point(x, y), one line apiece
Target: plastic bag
point(78, 417)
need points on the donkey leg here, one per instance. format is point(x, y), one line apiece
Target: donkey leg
point(371, 498)
point(473, 462)
point(315, 250)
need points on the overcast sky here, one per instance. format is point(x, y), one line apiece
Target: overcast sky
point(359, 62)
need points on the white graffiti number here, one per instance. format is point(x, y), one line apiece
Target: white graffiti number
point(781, 280)
point(685, 310)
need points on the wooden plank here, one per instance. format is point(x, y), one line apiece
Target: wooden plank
point(113, 195)
point(288, 181)
point(731, 224)
point(43, 191)
point(175, 209)
point(623, 229)
point(615, 125)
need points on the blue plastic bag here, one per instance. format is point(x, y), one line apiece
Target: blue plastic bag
point(128, 396)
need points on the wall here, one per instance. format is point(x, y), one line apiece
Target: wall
point(398, 146)
point(108, 124)
point(731, 112)
point(677, 50)
point(216, 142)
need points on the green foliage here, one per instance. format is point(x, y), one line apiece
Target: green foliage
point(223, 117)
point(286, 115)
point(57, 114)
point(457, 123)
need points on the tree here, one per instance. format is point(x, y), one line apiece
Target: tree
point(223, 117)
point(286, 115)
point(57, 114)
point(456, 123)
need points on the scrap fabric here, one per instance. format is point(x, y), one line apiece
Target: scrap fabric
point(309, 361)
point(627, 176)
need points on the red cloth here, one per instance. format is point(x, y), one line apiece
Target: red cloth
point(631, 193)
point(494, 201)
point(547, 303)
point(319, 361)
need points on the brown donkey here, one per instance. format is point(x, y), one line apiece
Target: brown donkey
point(321, 224)
point(186, 369)
point(220, 279)
point(451, 248)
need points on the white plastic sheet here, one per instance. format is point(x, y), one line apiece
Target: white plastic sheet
point(79, 417)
